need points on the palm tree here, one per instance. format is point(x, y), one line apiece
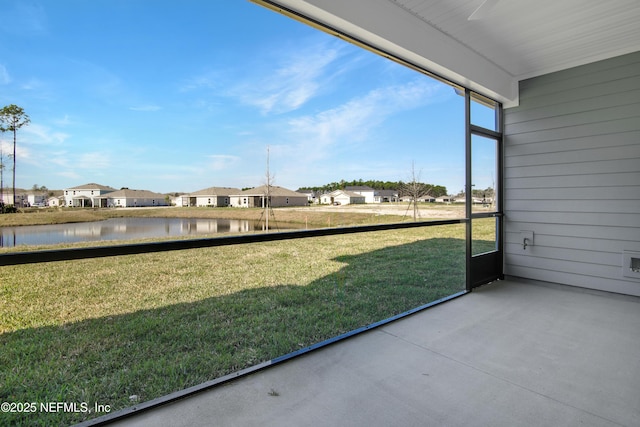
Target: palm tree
point(13, 118)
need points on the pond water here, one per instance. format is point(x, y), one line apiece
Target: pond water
point(124, 228)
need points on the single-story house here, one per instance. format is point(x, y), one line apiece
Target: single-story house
point(385, 196)
point(212, 196)
point(179, 199)
point(127, 198)
point(311, 195)
point(277, 196)
point(87, 195)
point(363, 190)
point(55, 201)
point(342, 197)
point(445, 199)
point(36, 199)
point(482, 200)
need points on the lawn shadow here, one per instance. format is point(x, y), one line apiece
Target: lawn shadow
point(150, 353)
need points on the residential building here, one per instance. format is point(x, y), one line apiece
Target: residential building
point(55, 201)
point(311, 195)
point(363, 190)
point(385, 196)
point(127, 198)
point(342, 197)
point(179, 200)
point(278, 197)
point(87, 196)
point(36, 199)
point(210, 197)
point(445, 199)
point(22, 197)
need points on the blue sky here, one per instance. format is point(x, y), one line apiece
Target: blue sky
point(180, 96)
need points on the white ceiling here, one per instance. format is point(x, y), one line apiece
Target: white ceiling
point(510, 41)
point(528, 38)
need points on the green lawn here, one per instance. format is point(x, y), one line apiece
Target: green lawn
point(102, 330)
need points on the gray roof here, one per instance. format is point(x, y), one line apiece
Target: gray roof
point(142, 194)
point(274, 191)
point(358, 188)
point(92, 186)
point(386, 192)
point(216, 191)
point(347, 193)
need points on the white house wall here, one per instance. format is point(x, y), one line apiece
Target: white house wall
point(206, 201)
point(135, 202)
point(343, 199)
point(92, 194)
point(572, 175)
point(369, 196)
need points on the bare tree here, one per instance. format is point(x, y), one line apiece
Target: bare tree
point(415, 190)
point(267, 210)
point(13, 118)
point(1, 174)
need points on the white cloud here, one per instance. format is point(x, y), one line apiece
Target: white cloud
point(93, 160)
point(208, 80)
point(222, 161)
point(4, 75)
point(59, 159)
point(40, 134)
point(331, 139)
point(291, 83)
point(148, 107)
point(35, 85)
point(65, 121)
point(354, 120)
point(6, 147)
point(69, 174)
point(282, 81)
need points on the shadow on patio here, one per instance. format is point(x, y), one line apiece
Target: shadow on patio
point(509, 353)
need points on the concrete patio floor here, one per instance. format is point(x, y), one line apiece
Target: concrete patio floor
point(507, 354)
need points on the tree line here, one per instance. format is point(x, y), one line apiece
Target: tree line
point(433, 190)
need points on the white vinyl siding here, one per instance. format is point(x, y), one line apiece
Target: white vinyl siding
point(572, 175)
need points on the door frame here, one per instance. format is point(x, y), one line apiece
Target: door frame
point(486, 267)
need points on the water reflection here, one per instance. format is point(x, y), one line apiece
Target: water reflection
point(121, 229)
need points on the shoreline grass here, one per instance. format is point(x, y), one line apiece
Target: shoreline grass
point(306, 217)
point(314, 217)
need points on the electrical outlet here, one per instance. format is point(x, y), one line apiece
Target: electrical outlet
point(526, 239)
